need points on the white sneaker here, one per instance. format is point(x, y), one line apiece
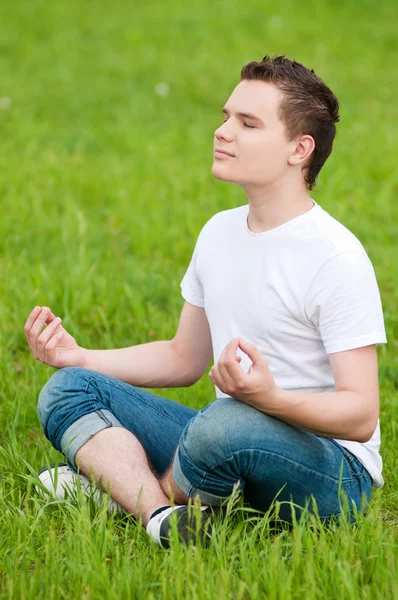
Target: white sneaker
point(62, 482)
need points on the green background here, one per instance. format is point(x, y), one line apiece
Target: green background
point(105, 184)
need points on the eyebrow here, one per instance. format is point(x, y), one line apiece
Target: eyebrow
point(245, 115)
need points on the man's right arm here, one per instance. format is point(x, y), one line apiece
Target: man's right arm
point(152, 365)
point(179, 362)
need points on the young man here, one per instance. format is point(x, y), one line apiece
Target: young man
point(283, 297)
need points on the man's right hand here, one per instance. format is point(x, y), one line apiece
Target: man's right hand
point(54, 346)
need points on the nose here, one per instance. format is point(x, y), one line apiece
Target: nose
point(224, 132)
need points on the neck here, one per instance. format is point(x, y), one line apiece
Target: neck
point(269, 208)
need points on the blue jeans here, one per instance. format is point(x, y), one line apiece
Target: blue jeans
point(226, 444)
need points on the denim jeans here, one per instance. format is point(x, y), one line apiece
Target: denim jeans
point(226, 444)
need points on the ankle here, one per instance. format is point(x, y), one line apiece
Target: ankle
point(147, 516)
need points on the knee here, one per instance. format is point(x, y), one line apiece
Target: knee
point(208, 439)
point(55, 392)
point(224, 428)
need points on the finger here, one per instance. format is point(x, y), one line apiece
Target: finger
point(229, 350)
point(223, 353)
point(216, 378)
point(228, 365)
point(233, 373)
point(233, 344)
point(52, 344)
point(31, 319)
point(222, 375)
point(54, 340)
point(46, 335)
point(37, 328)
point(251, 350)
point(228, 379)
point(35, 324)
point(50, 317)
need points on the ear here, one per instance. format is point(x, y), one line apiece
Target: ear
point(304, 147)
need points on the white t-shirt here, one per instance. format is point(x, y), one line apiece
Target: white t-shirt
point(299, 292)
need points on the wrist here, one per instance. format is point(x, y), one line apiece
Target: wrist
point(85, 359)
point(285, 402)
point(270, 402)
point(276, 398)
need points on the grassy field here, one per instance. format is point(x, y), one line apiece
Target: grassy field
point(107, 114)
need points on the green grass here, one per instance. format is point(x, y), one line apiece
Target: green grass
point(104, 187)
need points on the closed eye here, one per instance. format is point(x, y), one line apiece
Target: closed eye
point(245, 124)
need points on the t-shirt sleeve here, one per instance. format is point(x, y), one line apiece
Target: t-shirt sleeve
point(344, 304)
point(191, 286)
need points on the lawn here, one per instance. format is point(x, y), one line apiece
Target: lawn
point(107, 114)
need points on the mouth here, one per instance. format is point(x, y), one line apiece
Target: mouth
point(222, 153)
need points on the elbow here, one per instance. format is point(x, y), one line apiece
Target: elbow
point(194, 377)
point(364, 438)
point(367, 433)
point(191, 380)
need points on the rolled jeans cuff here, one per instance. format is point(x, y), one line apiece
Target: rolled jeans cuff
point(83, 429)
point(191, 491)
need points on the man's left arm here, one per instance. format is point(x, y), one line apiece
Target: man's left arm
point(350, 413)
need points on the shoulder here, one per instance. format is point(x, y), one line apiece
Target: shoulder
point(340, 251)
point(349, 266)
point(340, 238)
point(231, 214)
point(220, 220)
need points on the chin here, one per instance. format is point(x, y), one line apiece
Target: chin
point(221, 174)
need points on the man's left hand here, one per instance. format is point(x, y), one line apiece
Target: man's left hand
point(257, 387)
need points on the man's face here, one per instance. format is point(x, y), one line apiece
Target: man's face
point(259, 146)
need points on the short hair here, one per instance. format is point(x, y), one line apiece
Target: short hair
point(308, 106)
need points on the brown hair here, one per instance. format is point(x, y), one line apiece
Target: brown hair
point(308, 106)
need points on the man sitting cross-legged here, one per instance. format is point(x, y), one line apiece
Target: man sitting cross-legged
point(284, 299)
